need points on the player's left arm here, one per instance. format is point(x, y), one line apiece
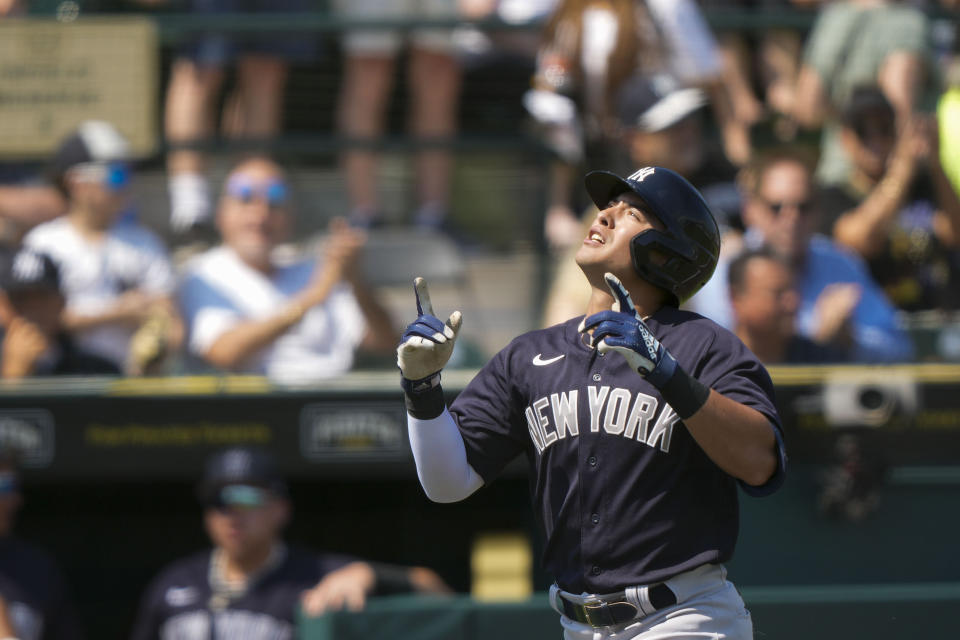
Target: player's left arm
point(438, 448)
point(738, 438)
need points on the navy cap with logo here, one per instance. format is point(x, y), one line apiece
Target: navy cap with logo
point(27, 271)
point(238, 476)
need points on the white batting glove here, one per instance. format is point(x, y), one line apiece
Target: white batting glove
point(427, 343)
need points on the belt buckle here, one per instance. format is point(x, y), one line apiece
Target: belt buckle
point(590, 609)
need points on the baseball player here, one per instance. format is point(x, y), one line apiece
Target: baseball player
point(639, 421)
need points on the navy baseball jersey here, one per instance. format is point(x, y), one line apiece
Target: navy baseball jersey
point(35, 593)
point(623, 492)
point(180, 603)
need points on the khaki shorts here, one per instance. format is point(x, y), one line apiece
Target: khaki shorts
point(386, 42)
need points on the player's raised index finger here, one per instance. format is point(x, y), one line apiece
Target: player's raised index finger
point(424, 306)
point(620, 293)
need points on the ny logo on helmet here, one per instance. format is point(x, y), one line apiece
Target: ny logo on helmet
point(640, 174)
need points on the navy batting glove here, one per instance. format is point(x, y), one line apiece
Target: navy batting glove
point(624, 331)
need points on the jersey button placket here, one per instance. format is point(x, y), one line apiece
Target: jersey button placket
point(595, 518)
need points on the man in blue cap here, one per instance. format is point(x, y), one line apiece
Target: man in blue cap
point(250, 584)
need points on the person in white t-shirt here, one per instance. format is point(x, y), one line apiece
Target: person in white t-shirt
point(115, 273)
point(247, 311)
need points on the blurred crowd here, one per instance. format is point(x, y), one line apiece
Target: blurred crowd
point(249, 582)
point(829, 155)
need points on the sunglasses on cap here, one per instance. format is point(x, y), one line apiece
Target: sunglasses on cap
point(274, 191)
point(804, 207)
point(239, 496)
point(115, 176)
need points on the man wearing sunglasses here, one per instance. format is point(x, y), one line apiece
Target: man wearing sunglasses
point(840, 305)
point(250, 585)
point(115, 273)
point(295, 321)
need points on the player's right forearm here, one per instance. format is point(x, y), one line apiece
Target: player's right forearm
point(441, 458)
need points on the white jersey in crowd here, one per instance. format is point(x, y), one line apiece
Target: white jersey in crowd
point(94, 273)
point(220, 291)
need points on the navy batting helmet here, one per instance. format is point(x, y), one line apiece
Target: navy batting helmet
point(680, 258)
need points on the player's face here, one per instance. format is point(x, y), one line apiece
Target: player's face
point(783, 209)
point(607, 245)
point(767, 303)
point(254, 215)
point(249, 530)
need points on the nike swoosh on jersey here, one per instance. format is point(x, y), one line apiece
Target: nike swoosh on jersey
point(537, 360)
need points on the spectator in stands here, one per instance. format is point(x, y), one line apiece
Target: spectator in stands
point(764, 301)
point(840, 304)
point(252, 111)
point(478, 46)
point(433, 78)
point(855, 43)
point(251, 584)
point(31, 307)
point(897, 207)
point(590, 49)
point(660, 124)
point(248, 311)
point(115, 273)
point(763, 64)
point(26, 200)
point(38, 604)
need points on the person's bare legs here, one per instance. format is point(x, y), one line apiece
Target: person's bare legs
point(256, 108)
point(435, 92)
point(780, 53)
point(188, 117)
point(367, 83)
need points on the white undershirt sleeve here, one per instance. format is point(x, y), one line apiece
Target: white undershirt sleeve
point(441, 458)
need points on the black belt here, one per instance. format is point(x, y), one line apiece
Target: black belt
point(613, 609)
